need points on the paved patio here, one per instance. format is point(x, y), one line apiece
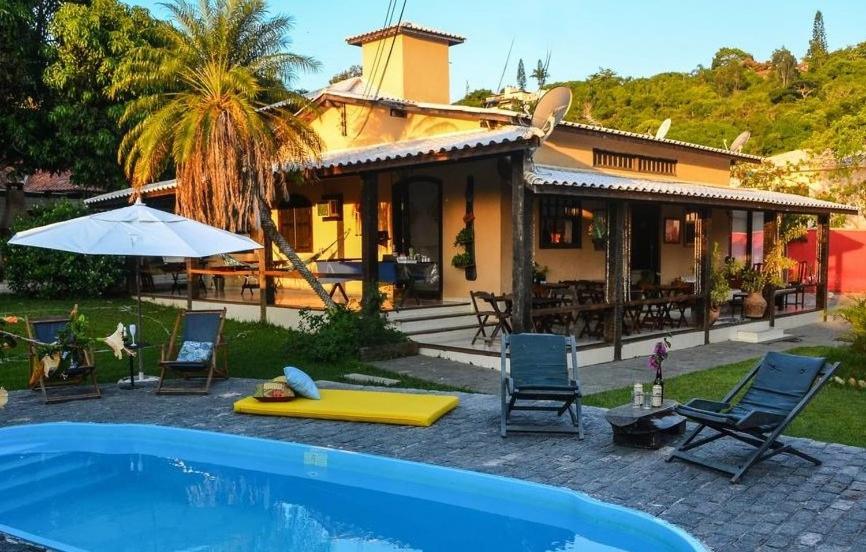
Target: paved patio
point(783, 504)
point(614, 375)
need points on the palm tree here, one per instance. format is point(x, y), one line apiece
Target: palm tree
point(212, 100)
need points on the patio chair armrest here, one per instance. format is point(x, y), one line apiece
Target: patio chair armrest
point(759, 418)
point(704, 404)
point(703, 416)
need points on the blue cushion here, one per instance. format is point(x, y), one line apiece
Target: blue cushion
point(195, 351)
point(301, 383)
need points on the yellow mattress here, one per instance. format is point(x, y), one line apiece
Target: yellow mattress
point(358, 406)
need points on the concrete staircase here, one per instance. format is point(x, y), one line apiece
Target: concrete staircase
point(440, 319)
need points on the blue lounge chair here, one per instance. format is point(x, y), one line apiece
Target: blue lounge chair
point(201, 341)
point(540, 374)
point(779, 388)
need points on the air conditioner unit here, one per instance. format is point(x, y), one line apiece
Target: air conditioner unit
point(330, 208)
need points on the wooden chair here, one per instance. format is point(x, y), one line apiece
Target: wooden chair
point(482, 315)
point(77, 370)
point(194, 326)
point(539, 375)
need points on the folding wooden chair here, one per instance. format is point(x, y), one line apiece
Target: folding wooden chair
point(77, 369)
point(201, 342)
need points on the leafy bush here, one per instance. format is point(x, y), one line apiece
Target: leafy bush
point(855, 314)
point(338, 333)
point(48, 273)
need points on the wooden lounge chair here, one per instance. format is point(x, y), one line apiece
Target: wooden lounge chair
point(540, 374)
point(188, 358)
point(80, 373)
point(779, 388)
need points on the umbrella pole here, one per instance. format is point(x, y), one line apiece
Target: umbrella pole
point(140, 328)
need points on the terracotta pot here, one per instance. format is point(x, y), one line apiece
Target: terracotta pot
point(754, 305)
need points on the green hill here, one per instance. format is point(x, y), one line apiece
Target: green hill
point(786, 104)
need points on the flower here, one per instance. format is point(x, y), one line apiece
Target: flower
point(11, 319)
point(838, 380)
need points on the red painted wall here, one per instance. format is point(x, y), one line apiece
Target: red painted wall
point(847, 259)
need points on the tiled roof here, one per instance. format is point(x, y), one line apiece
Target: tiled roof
point(45, 182)
point(406, 28)
point(407, 149)
point(546, 175)
point(126, 192)
point(606, 130)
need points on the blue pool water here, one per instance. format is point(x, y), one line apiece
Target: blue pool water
point(149, 488)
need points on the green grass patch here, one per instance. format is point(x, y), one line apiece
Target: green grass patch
point(255, 350)
point(837, 414)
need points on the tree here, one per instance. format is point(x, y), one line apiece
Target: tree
point(729, 69)
point(23, 97)
point(208, 104)
point(352, 71)
point(90, 43)
point(521, 75)
point(784, 66)
point(818, 44)
point(540, 74)
point(476, 97)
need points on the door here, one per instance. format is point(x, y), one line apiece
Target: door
point(645, 262)
point(417, 220)
point(295, 221)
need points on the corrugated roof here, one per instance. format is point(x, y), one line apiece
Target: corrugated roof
point(546, 175)
point(126, 192)
point(444, 143)
point(407, 28)
point(606, 130)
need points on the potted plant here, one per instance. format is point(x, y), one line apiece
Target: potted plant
point(598, 231)
point(539, 273)
point(752, 282)
point(462, 260)
point(464, 237)
point(720, 288)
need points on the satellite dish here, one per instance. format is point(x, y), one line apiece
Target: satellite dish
point(740, 141)
point(663, 129)
point(550, 110)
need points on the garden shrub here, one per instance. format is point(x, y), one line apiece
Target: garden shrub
point(47, 273)
point(338, 333)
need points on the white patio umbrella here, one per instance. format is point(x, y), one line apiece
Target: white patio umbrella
point(139, 231)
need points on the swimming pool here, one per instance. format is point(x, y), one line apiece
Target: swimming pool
point(113, 487)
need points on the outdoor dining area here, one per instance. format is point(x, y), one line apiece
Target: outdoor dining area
point(580, 308)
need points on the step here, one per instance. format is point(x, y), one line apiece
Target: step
point(759, 336)
point(40, 492)
point(435, 324)
point(30, 477)
point(411, 311)
point(444, 329)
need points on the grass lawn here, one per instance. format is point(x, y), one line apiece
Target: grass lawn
point(255, 350)
point(837, 414)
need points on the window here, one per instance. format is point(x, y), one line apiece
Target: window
point(295, 220)
point(630, 162)
point(560, 222)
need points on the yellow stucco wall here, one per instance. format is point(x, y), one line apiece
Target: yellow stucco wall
point(417, 69)
point(568, 148)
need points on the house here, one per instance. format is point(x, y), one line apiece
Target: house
point(18, 195)
point(613, 213)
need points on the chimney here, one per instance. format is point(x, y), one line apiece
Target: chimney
point(407, 61)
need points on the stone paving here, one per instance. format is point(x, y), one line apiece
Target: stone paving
point(782, 504)
point(613, 375)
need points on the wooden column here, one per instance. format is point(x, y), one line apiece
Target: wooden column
point(262, 255)
point(823, 255)
point(522, 247)
point(615, 274)
point(190, 287)
point(703, 269)
point(369, 236)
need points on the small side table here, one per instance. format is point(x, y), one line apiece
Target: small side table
point(649, 428)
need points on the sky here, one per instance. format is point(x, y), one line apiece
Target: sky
point(634, 38)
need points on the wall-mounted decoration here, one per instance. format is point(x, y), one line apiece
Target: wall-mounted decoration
point(673, 230)
point(689, 228)
point(330, 207)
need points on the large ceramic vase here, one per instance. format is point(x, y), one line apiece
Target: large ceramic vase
point(754, 305)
